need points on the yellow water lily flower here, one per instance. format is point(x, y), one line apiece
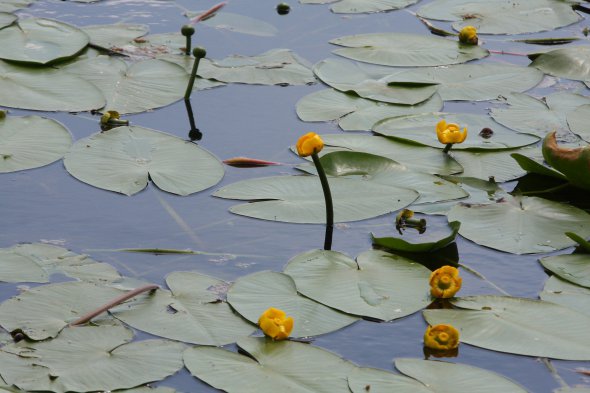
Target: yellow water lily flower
point(441, 337)
point(275, 324)
point(468, 35)
point(309, 144)
point(450, 133)
point(445, 282)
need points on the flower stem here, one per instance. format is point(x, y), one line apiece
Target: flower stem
point(447, 148)
point(328, 198)
point(199, 53)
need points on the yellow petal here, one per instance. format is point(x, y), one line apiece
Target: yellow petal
point(309, 144)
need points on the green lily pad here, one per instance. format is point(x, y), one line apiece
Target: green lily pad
point(31, 142)
point(578, 122)
point(142, 86)
point(399, 244)
point(421, 129)
point(237, 23)
point(362, 6)
point(36, 262)
point(472, 82)
point(122, 160)
point(381, 381)
point(114, 35)
point(90, 358)
point(571, 267)
point(538, 117)
point(356, 113)
point(6, 19)
point(41, 41)
point(192, 311)
point(42, 312)
point(536, 166)
point(501, 17)
point(485, 164)
point(377, 285)
point(372, 83)
point(292, 366)
point(521, 225)
point(14, 5)
point(571, 63)
point(569, 295)
point(517, 325)
point(35, 88)
point(300, 199)
point(406, 50)
point(251, 295)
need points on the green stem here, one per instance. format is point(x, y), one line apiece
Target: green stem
point(187, 49)
point(328, 198)
point(199, 53)
point(447, 148)
point(546, 191)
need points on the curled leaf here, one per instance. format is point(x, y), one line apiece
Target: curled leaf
point(573, 163)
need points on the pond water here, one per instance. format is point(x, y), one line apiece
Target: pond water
point(49, 205)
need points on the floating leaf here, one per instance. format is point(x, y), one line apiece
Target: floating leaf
point(518, 325)
point(35, 88)
point(521, 225)
point(90, 358)
point(356, 113)
point(571, 63)
point(122, 160)
point(41, 41)
point(377, 285)
point(533, 166)
point(300, 199)
point(362, 6)
point(567, 294)
point(31, 142)
point(292, 366)
point(6, 19)
point(483, 132)
point(372, 84)
point(237, 23)
point(406, 50)
point(399, 244)
point(571, 267)
point(251, 295)
point(578, 122)
point(114, 35)
point(192, 311)
point(484, 165)
point(14, 5)
point(501, 17)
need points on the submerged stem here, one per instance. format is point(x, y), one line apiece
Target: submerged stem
point(328, 198)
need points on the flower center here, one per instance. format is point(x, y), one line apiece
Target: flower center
point(442, 337)
point(445, 282)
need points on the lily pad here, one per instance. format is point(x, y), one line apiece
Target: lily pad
point(372, 83)
point(114, 35)
point(142, 86)
point(42, 312)
point(521, 225)
point(14, 5)
point(292, 366)
point(41, 41)
point(406, 50)
point(124, 158)
point(571, 63)
point(377, 285)
point(6, 19)
point(381, 381)
point(399, 244)
point(251, 295)
point(484, 165)
point(300, 199)
point(192, 311)
point(36, 262)
point(517, 325)
point(356, 113)
point(578, 122)
point(571, 267)
point(567, 294)
point(501, 17)
point(90, 358)
point(31, 142)
point(421, 129)
point(237, 23)
point(536, 166)
point(362, 6)
point(35, 88)
point(472, 82)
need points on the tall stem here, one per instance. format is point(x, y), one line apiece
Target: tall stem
point(447, 148)
point(328, 198)
point(199, 53)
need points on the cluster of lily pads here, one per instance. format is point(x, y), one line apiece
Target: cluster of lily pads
point(392, 84)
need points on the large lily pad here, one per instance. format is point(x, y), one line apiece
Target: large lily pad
point(381, 381)
point(251, 295)
point(399, 244)
point(90, 358)
point(372, 83)
point(41, 41)
point(521, 225)
point(6, 19)
point(502, 17)
point(36, 262)
point(484, 165)
point(578, 122)
point(294, 367)
point(42, 312)
point(35, 88)
point(421, 129)
point(192, 311)
point(356, 113)
point(144, 85)
point(406, 50)
point(124, 158)
point(114, 35)
point(571, 267)
point(472, 82)
point(31, 142)
point(362, 6)
point(518, 325)
point(14, 5)
point(300, 199)
point(377, 285)
point(571, 63)
point(567, 294)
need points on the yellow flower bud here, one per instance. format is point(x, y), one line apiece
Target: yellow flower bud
point(445, 282)
point(275, 324)
point(441, 337)
point(468, 35)
point(450, 132)
point(309, 143)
